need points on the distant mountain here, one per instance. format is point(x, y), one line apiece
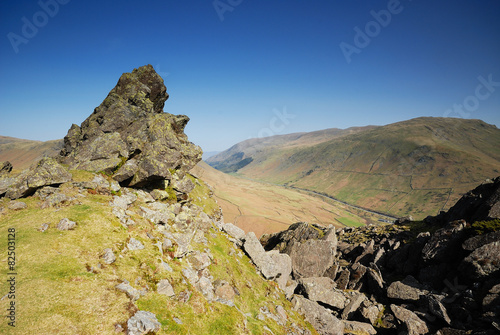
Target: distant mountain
point(416, 167)
point(22, 153)
point(208, 154)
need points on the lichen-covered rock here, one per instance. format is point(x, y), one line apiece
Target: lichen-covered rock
point(46, 172)
point(66, 224)
point(130, 137)
point(322, 290)
point(311, 258)
point(5, 168)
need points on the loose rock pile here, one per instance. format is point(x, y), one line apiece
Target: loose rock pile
point(425, 277)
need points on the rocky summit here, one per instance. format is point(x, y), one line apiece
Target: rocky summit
point(130, 137)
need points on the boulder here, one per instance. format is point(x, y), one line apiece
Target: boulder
point(353, 305)
point(234, 231)
point(108, 256)
point(478, 241)
point(134, 244)
point(358, 328)
point(283, 264)
point(322, 289)
point(414, 325)
point(66, 224)
point(143, 323)
point(320, 318)
point(224, 290)
point(131, 292)
point(482, 262)
point(16, 205)
point(164, 287)
point(261, 259)
point(311, 258)
point(409, 290)
point(444, 243)
point(130, 137)
point(47, 172)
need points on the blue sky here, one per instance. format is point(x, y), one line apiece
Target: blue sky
point(249, 68)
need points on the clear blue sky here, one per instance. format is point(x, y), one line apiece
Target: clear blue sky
point(233, 68)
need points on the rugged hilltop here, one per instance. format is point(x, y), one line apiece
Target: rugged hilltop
point(116, 236)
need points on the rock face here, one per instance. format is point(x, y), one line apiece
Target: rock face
point(46, 172)
point(130, 137)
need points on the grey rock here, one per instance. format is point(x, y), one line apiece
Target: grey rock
point(66, 224)
point(404, 291)
point(199, 261)
point(283, 264)
point(321, 318)
point(414, 325)
point(55, 200)
point(205, 286)
point(357, 272)
point(322, 289)
point(46, 172)
point(234, 231)
point(5, 184)
point(224, 290)
point(131, 292)
point(164, 287)
point(108, 256)
point(44, 227)
point(311, 258)
point(353, 306)
point(143, 323)
point(16, 205)
point(359, 328)
point(134, 244)
point(123, 201)
point(482, 262)
point(371, 312)
point(261, 259)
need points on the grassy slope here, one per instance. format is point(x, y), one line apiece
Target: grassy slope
point(55, 294)
point(265, 208)
point(22, 153)
point(416, 167)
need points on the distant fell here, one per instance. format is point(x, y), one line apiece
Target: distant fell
point(22, 153)
point(416, 167)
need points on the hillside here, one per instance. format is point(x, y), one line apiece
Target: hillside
point(416, 167)
point(22, 153)
point(265, 208)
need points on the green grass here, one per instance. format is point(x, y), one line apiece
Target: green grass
point(56, 294)
point(350, 222)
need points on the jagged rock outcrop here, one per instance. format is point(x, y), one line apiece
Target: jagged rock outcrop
point(47, 172)
point(130, 137)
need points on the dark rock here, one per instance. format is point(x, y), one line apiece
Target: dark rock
point(482, 203)
point(331, 272)
point(437, 308)
point(47, 172)
point(478, 241)
point(343, 279)
point(357, 272)
point(491, 301)
point(482, 262)
point(414, 325)
point(321, 318)
point(451, 331)
point(444, 243)
point(130, 136)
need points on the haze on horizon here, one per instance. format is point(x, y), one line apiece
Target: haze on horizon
point(243, 69)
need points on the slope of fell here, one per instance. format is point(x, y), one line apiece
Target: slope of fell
point(416, 167)
point(22, 153)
